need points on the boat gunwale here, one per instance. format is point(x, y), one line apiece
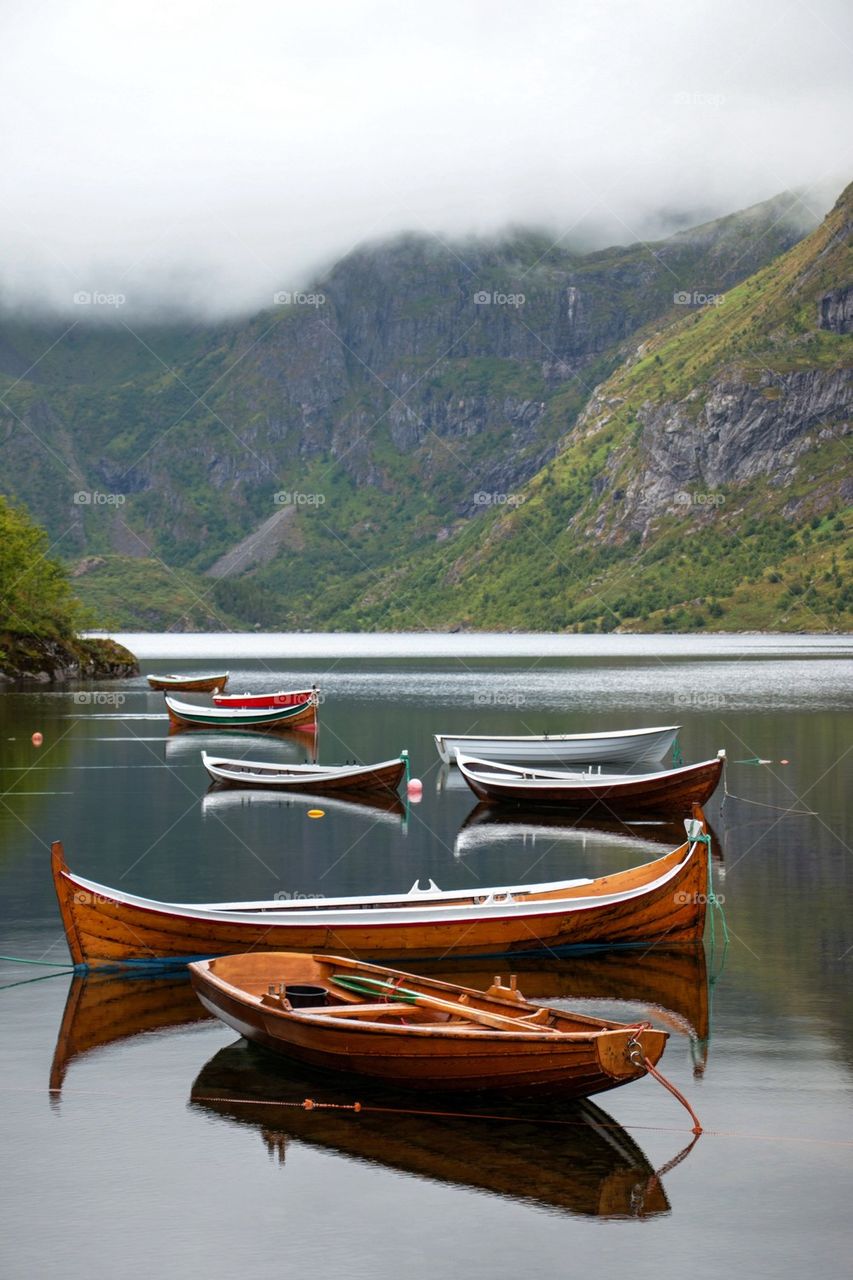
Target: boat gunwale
point(515, 775)
point(532, 905)
point(314, 772)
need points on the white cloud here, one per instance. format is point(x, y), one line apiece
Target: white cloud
point(206, 155)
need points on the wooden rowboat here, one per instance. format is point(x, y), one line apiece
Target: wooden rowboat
point(620, 746)
point(186, 715)
point(284, 698)
point(320, 779)
point(189, 684)
point(671, 791)
point(105, 1008)
point(664, 899)
point(419, 1032)
point(588, 1167)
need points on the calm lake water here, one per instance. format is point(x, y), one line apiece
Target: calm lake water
point(140, 1162)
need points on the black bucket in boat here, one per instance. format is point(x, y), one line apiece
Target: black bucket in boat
point(302, 996)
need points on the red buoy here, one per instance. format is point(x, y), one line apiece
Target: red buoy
point(37, 739)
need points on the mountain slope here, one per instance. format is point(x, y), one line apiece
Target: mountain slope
point(417, 387)
point(708, 482)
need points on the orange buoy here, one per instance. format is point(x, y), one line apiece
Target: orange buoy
point(37, 739)
point(316, 813)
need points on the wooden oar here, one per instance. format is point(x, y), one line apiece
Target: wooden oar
point(369, 986)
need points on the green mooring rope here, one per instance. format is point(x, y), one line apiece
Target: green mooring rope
point(713, 901)
point(405, 756)
point(48, 964)
point(677, 757)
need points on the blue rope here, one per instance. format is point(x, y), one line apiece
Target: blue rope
point(48, 964)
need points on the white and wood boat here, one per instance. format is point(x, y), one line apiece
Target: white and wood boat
point(662, 899)
point(624, 746)
point(189, 683)
point(671, 791)
point(352, 779)
point(187, 715)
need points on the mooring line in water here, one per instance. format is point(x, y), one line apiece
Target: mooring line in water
point(763, 804)
point(361, 1108)
point(48, 964)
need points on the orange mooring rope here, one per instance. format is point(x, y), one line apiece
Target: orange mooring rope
point(697, 1127)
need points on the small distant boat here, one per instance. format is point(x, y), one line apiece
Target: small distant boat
point(664, 899)
point(341, 778)
point(667, 792)
point(344, 1015)
point(622, 746)
point(189, 684)
point(185, 715)
point(284, 698)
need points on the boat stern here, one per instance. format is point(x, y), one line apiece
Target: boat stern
point(622, 1054)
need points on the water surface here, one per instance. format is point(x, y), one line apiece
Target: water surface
point(132, 1167)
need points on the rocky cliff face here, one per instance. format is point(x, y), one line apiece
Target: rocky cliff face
point(739, 429)
point(26, 658)
point(411, 393)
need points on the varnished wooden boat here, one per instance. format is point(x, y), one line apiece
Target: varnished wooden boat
point(448, 1038)
point(630, 747)
point(661, 899)
point(671, 791)
point(284, 698)
point(186, 715)
point(587, 1165)
point(103, 1008)
point(319, 779)
point(189, 684)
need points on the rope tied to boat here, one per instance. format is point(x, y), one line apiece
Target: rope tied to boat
point(677, 757)
point(713, 901)
point(640, 1060)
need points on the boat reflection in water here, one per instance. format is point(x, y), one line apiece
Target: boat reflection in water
point(102, 1009)
point(488, 827)
point(377, 808)
point(290, 748)
point(581, 1161)
point(669, 988)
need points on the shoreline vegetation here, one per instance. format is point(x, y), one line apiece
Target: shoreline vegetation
point(40, 617)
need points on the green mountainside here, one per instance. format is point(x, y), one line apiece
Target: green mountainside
point(502, 435)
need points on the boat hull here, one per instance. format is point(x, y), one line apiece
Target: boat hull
point(663, 900)
point(348, 782)
point(197, 684)
point(302, 715)
point(259, 701)
point(628, 747)
point(431, 1057)
point(664, 794)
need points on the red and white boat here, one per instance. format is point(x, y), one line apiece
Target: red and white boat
point(284, 698)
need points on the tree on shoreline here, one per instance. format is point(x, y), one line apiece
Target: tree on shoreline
point(35, 593)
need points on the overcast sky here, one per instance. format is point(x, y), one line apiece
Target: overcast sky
point(207, 154)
